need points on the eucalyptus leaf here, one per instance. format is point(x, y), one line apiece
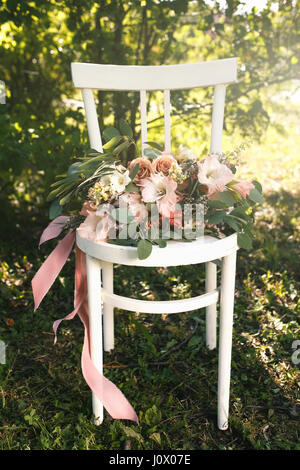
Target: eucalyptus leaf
point(151, 153)
point(161, 243)
point(131, 187)
point(112, 142)
point(244, 241)
point(125, 128)
point(144, 249)
point(121, 147)
point(227, 197)
point(134, 172)
point(109, 133)
point(216, 218)
point(232, 222)
point(255, 196)
point(258, 186)
point(217, 204)
point(55, 209)
point(155, 145)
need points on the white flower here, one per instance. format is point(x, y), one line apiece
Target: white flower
point(185, 154)
point(213, 174)
point(119, 179)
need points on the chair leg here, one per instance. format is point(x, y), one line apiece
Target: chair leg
point(225, 339)
point(95, 319)
point(108, 310)
point(211, 310)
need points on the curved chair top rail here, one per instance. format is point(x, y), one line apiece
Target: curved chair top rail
point(157, 77)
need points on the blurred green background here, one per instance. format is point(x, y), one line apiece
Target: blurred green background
point(45, 402)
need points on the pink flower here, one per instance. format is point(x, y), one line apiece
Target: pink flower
point(106, 228)
point(214, 175)
point(243, 188)
point(88, 208)
point(163, 163)
point(99, 225)
point(145, 168)
point(136, 207)
point(88, 228)
point(160, 189)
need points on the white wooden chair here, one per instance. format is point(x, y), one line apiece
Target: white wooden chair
point(101, 256)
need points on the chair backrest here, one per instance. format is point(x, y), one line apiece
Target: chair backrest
point(145, 78)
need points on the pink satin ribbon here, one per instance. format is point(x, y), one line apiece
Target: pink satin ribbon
point(111, 397)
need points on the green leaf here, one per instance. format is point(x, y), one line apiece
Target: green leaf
point(151, 153)
point(217, 204)
point(109, 133)
point(134, 172)
point(227, 197)
point(144, 249)
point(232, 222)
point(244, 241)
point(74, 169)
point(125, 128)
point(131, 187)
point(240, 212)
point(130, 432)
point(112, 142)
point(155, 145)
point(55, 209)
point(66, 198)
point(194, 341)
point(216, 218)
point(258, 186)
point(255, 196)
point(121, 147)
point(161, 243)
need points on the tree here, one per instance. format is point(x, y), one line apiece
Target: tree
point(40, 129)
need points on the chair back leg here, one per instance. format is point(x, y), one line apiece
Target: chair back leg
point(211, 310)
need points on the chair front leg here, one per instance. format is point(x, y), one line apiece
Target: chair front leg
point(211, 310)
point(95, 320)
point(108, 310)
point(225, 339)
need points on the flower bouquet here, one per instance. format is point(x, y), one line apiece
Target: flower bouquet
point(120, 197)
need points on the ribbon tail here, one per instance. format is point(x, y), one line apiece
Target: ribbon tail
point(113, 400)
point(51, 267)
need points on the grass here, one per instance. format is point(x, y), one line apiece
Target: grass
point(160, 363)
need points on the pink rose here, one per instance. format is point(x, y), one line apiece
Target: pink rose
point(163, 163)
point(145, 168)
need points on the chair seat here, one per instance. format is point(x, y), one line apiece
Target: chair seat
point(176, 253)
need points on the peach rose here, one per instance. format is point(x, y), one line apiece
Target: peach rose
point(88, 207)
point(145, 168)
point(163, 164)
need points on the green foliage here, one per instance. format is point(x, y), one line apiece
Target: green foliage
point(41, 128)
